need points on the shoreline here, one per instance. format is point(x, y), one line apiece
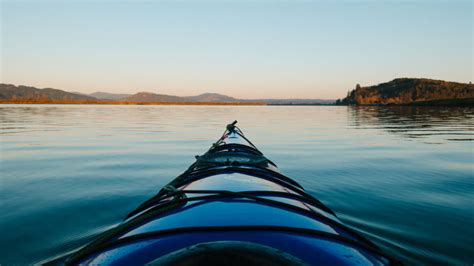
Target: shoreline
point(135, 103)
point(418, 104)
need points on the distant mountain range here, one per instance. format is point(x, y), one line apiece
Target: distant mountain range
point(108, 96)
point(401, 91)
point(24, 94)
point(412, 91)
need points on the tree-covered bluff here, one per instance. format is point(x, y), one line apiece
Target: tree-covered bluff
point(411, 91)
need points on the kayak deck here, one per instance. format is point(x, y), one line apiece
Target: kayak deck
point(231, 197)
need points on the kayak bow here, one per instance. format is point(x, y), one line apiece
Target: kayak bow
point(231, 207)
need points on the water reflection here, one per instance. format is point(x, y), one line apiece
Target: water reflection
point(451, 123)
point(376, 167)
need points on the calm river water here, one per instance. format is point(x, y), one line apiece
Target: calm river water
point(403, 176)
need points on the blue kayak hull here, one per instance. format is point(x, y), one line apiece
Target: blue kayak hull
point(231, 198)
point(313, 250)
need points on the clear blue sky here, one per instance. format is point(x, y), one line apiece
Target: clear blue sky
point(246, 49)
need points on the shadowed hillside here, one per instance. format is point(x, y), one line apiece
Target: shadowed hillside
point(23, 94)
point(411, 91)
point(30, 95)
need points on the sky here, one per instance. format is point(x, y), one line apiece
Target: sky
point(244, 49)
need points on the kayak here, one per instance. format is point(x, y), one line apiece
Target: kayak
point(232, 206)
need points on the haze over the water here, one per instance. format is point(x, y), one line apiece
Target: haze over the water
point(245, 49)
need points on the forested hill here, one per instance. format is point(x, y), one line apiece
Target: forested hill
point(24, 94)
point(412, 91)
point(31, 95)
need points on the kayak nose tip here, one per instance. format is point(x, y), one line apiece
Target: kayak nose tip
point(231, 127)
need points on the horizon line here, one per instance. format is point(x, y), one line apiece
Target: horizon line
point(100, 91)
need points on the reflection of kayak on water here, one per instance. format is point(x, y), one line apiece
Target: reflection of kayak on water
point(231, 207)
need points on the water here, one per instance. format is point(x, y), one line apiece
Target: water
point(402, 176)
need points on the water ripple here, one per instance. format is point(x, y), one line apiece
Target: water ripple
point(403, 176)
